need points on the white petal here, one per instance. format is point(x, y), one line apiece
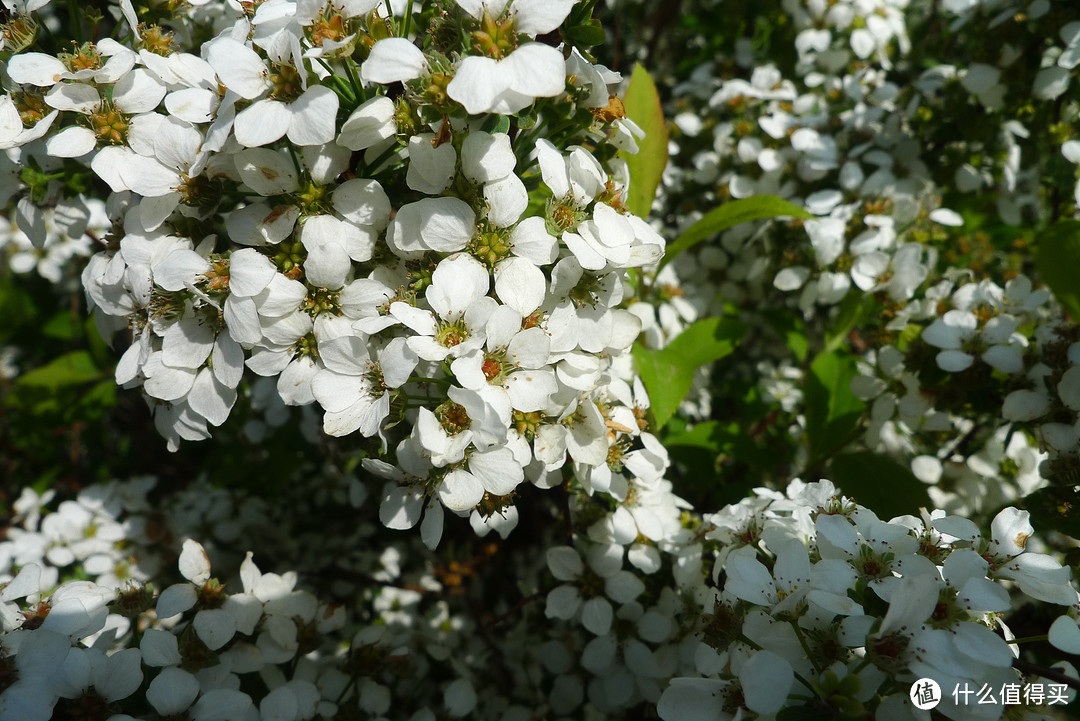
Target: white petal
point(400, 508)
point(766, 680)
point(138, 92)
point(497, 470)
point(369, 124)
point(562, 602)
point(507, 199)
point(119, 676)
point(477, 83)
point(265, 171)
point(432, 526)
point(486, 157)
point(313, 117)
point(564, 562)
point(215, 627)
point(537, 17)
point(1065, 635)
point(264, 122)
point(790, 279)
point(249, 272)
point(73, 96)
point(393, 60)
point(159, 648)
point(430, 169)
point(194, 563)
point(1069, 388)
point(537, 70)
point(520, 285)
point(72, 142)
point(195, 105)
point(210, 399)
point(36, 69)
point(172, 691)
point(1025, 405)
point(597, 615)
point(221, 704)
point(944, 216)
point(954, 361)
point(328, 262)
point(460, 491)
point(239, 67)
point(693, 699)
point(176, 599)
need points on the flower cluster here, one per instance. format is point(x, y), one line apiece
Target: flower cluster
point(817, 595)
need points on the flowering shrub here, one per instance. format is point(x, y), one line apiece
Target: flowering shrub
point(442, 322)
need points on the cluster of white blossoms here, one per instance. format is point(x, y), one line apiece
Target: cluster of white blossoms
point(817, 594)
point(934, 313)
point(778, 598)
point(315, 198)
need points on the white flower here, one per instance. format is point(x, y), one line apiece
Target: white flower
point(494, 471)
point(353, 390)
point(369, 125)
point(459, 311)
point(444, 225)
point(486, 85)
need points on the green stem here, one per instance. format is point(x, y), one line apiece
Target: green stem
point(344, 691)
point(54, 45)
point(76, 20)
point(805, 647)
point(340, 86)
point(383, 157)
point(440, 381)
point(296, 163)
point(358, 89)
point(748, 642)
point(407, 20)
point(412, 401)
point(390, 18)
point(1031, 639)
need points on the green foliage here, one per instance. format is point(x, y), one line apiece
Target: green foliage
point(879, 483)
point(1057, 258)
point(792, 329)
point(717, 220)
point(73, 368)
point(581, 29)
point(833, 412)
point(647, 165)
point(669, 372)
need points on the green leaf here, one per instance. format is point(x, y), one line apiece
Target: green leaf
point(832, 410)
point(581, 12)
point(642, 105)
point(67, 370)
point(1057, 257)
point(878, 482)
point(728, 215)
point(793, 330)
point(702, 435)
point(587, 34)
point(496, 124)
point(848, 314)
point(61, 326)
point(17, 308)
point(669, 372)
